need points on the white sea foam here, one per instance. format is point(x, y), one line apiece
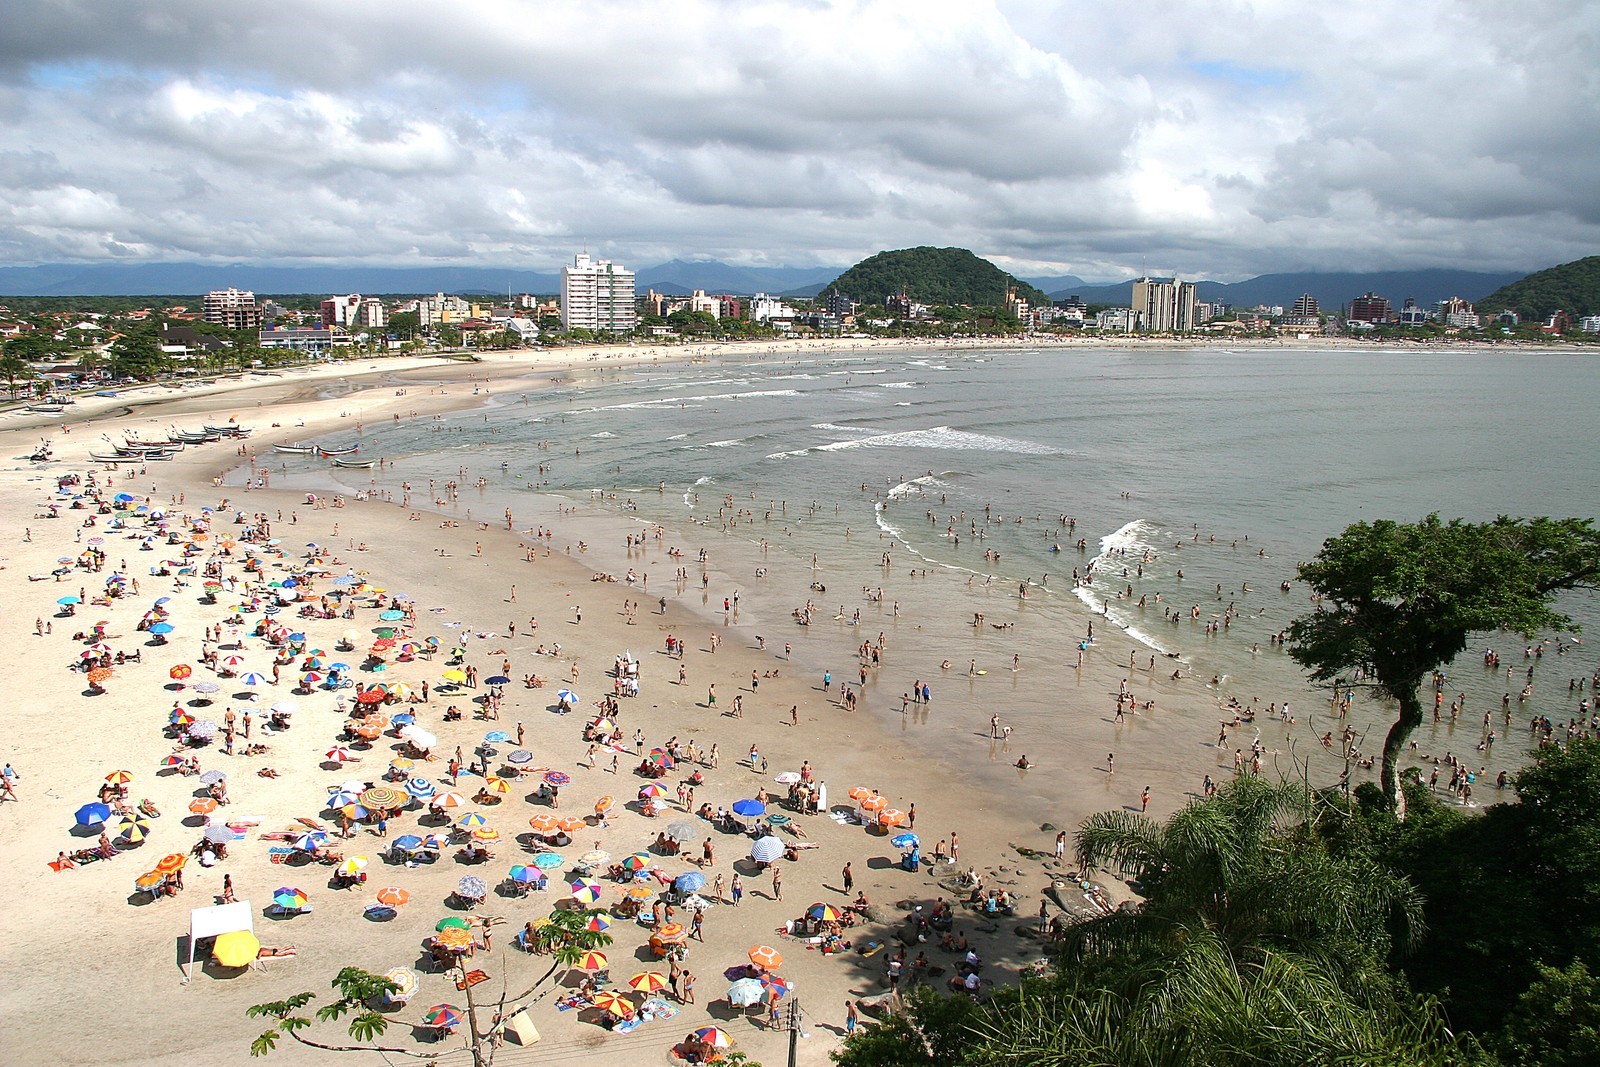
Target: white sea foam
point(833, 428)
point(725, 444)
point(669, 401)
point(901, 385)
point(677, 437)
point(943, 437)
point(603, 433)
point(786, 455)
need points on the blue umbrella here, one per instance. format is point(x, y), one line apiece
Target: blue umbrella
point(408, 843)
point(291, 583)
point(297, 637)
point(68, 600)
point(498, 679)
point(421, 788)
point(497, 737)
point(162, 628)
point(526, 875)
point(548, 861)
point(391, 615)
point(344, 580)
point(163, 600)
point(749, 807)
point(689, 882)
point(338, 668)
point(309, 842)
point(905, 841)
point(92, 814)
point(342, 797)
point(123, 498)
point(405, 718)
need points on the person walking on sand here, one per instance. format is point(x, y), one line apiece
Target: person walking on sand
point(738, 890)
point(848, 877)
point(850, 1018)
point(777, 884)
point(711, 696)
point(716, 887)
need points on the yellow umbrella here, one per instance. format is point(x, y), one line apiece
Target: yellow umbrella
point(455, 675)
point(648, 981)
point(353, 866)
point(175, 861)
point(120, 777)
point(149, 879)
point(236, 948)
point(496, 785)
point(593, 961)
point(486, 833)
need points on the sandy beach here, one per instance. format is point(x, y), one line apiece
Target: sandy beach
point(108, 986)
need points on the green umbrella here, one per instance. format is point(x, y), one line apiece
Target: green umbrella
point(451, 920)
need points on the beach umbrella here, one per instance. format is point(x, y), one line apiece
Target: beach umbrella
point(905, 841)
point(549, 861)
point(824, 912)
point(454, 675)
point(649, 981)
point(450, 801)
point(354, 812)
point(419, 737)
point(218, 835)
point(92, 814)
point(452, 922)
point(310, 842)
point(766, 957)
point(570, 824)
point(713, 1037)
point(405, 718)
point(203, 730)
point(585, 891)
point(149, 880)
point(284, 707)
point(233, 661)
point(212, 777)
point(375, 695)
point(861, 792)
point(653, 789)
point(557, 777)
point(408, 843)
point(682, 831)
point(603, 725)
point(69, 600)
point(611, 1001)
point(778, 819)
point(174, 760)
point(637, 862)
point(180, 671)
point(662, 758)
point(471, 887)
point(766, 850)
point(253, 679)
point(471, 821)
point(393, 896)
point(593, 961)
point(689, 882)
point(236, 948)
point(161, 628)
point(383, 796)
point(492, 784)
point(640, 891)
point(392, 615)
point(401, 764)
point(342, 797)
point(406, 983)
point(787, 778)
point(891, 817)
point(442, 1016)
point(420, 788)
point(486, 833)
point(202, 806)
point(207, 687)
point(289, 899)
point(604, 804)
point(98, 675)
point(524, 875)
point(519, 756)
point(776, 985)
point(339, 754)
point(133, 828)
point(310, 678)
point(457, 939)
point(597, 923)
point(749, 807)
point(567, 696)
point(543, 825)
point(496, 737)
point(353, 866)
point(873, 804)
point(745, 992)
point(498, 679)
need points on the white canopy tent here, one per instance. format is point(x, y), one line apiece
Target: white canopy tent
point(217, 920)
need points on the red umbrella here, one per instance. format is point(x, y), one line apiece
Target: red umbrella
point(180, 672)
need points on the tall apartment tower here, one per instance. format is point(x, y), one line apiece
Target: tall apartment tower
point(1164, 305)
point(233, 308)
point(597, 295)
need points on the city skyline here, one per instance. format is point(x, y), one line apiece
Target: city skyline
point(1222, 140)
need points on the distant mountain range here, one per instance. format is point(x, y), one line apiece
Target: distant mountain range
point(679, 277)
point(1331, 290)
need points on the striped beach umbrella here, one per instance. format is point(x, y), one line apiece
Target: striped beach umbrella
point(713, 1037)
point(611, 1001)
point(824, 912)
point(649, 981)
point(339, 754)
point(585, 891)
point(653, 789)
point(593, 961)
point(637, 862)
point(450, 801)
point(525, 875)
point(133, 828)
point(442, 1016)
point(175, 861)
point(500, 786)
point(420, 788)
point(471, 821)
point(120, 777)
point(486, 833)
point(383, 796)
point(766, 850)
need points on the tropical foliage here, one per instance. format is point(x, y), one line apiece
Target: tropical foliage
point(1398, 601)
point(1571, 287)
point(931, 276)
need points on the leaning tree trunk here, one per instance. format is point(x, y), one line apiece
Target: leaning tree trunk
point(1410, 718)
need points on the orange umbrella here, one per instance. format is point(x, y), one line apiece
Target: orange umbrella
point(179, 672)
point(543, 824)
point(874, 803)
point(649, 981)
point(368, 732)
point(570, 824)
point(486, 833)
point(861, 792)
point(603, 805)
point(174, 861)
point(98, 675)
point(670, 932)
point(202, 805)
point(492, 784)
point(766, 957)
point(393, 897)
point(891, 817)
point(453, 937)
point(119, 777)
point(614, 1002)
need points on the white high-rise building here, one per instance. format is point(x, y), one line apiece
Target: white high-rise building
point(597, 295)
point(1164, 305)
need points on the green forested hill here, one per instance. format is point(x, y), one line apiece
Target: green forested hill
point(1572, 287)
point(932, 276)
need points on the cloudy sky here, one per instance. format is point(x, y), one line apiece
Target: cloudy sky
point(1220, 138)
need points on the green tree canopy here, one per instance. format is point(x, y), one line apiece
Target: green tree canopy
point(931, 276)
point(1399, 600)
point(1571, 287)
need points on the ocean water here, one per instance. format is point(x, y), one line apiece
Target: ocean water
point(979, 473)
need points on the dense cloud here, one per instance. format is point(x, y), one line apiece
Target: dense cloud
point(1210, 137)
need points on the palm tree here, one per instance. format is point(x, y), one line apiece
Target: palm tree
point(13, 367)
